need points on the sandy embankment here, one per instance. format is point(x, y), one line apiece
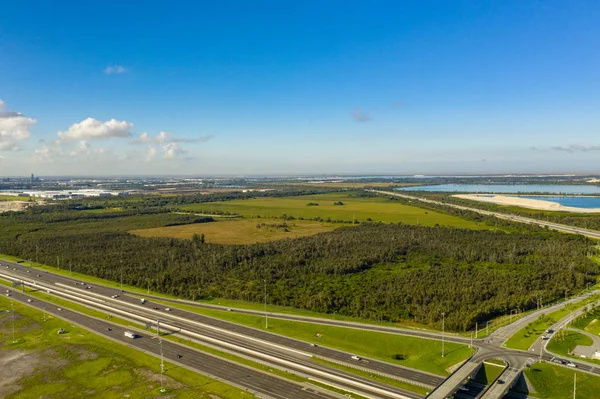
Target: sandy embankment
point(525, 203)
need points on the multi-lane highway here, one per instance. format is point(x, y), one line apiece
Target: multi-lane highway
point(276, 349)
point(247, 379)
point(265, 347)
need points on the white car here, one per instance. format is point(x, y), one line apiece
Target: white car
point(168, 309)
point(354, 357)
point(571, 364)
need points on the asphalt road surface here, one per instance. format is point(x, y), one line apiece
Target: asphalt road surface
point(247, 379)
point(191, 322)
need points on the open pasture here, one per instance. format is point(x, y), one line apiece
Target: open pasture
point(324, 206)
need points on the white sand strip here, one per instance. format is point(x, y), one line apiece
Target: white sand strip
point(525, 203)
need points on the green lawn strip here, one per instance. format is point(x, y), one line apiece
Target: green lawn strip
point(556, 382)
point(526, 336)
point(14, 198)
point(589, 322)
point(215, 301)
point(488, 373)
point(115, 370)
point(67, 304)
point(564, 341)
point(235, 358)
point(418, 353)
point(375, 377)
point(336, 390)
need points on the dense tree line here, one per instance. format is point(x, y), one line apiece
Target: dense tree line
point(374, 270)
point(159, 201)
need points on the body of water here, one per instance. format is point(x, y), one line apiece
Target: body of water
point(576, 202)
point(509, 188)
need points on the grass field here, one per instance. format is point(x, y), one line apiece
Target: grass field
point(526, 336)
point(488, 373)
point(565, 341)
point(375, 377)
point(13, 198)
point(244, 231)
point(417, 353)
point(79, 363)
point(556, 382)
point(589, 322)
point(355, 208)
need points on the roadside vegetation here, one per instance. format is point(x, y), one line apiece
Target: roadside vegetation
point(375, 377)
point(527, 336)
point(556, 382)
point(489, 371)
point(418, 353)
point(564, 341)
point(44, 364)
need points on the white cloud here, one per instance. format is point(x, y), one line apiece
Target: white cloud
point(145, 138)
point(82, 148)
point(49, 152)
point(91, 128)
point(114, 69)
point(151, 154)
point(167, 137)
point(173, 151)
point(14, 127)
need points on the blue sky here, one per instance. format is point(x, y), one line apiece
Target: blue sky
point(265, 87)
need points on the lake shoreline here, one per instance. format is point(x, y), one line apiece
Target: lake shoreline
point(525, 203)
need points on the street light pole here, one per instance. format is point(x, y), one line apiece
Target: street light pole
point(266, 316)
point(487, 328)
point(443, 330)
point(12, 305)
point(162, 367)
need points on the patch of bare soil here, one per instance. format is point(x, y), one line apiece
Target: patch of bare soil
point(168, 381)
point(15, 365)
point(18, 364)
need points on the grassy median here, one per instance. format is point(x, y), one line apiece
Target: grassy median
point(79, 363)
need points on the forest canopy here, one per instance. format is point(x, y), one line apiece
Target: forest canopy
point(375, 270)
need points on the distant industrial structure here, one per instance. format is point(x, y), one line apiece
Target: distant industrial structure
point(64, 194)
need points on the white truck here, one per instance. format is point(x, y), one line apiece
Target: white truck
point(130, 334)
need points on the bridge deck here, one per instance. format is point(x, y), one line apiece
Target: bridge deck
point(498, 390)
